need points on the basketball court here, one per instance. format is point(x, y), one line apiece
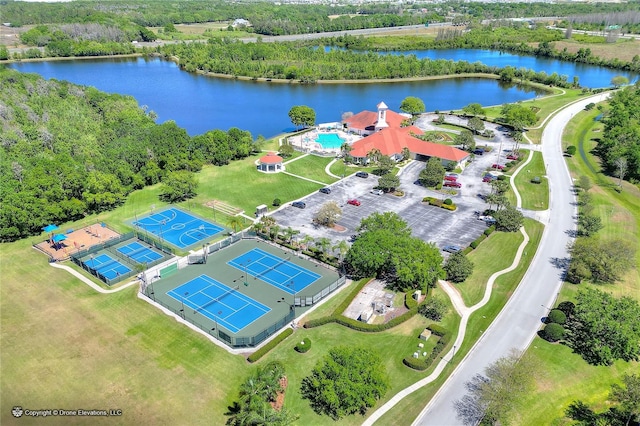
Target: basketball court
point(178, 227)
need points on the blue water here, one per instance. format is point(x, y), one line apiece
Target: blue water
point(199, 103)
point(329, 140)
point(592, 76)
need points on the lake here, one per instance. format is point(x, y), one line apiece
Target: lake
point(199, 103)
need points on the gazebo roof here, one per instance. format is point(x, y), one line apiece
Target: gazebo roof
point(271, 158)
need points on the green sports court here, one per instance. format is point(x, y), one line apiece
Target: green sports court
point(245, 291)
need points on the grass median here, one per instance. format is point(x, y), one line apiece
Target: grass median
point(535, 196)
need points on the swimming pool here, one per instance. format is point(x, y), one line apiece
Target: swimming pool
point(329, 140)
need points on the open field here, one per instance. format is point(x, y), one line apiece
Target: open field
point(623, 49)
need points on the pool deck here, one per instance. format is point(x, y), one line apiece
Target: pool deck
point(306, 142)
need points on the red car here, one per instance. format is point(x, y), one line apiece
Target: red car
point(512, 157)
point(452, 184)
point(497, 166)
point(487, 179)
point(354, 202)
point(451, 178)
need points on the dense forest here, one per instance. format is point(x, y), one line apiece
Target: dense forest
point(619, 147)
point(70, 150)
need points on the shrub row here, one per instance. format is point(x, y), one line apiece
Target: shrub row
point(475, 243)
point(439, 203)
point(423, 364)
point(303, 346)
point(489, 230)
point(272, 344)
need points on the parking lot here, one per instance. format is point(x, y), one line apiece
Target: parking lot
point(429, 223)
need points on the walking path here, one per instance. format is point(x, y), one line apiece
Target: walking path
point(305, 178)
point(327, 169)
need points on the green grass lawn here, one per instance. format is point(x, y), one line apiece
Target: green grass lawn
point(339, 168)
point(535, 196)
point(493, 254)
point(311, 167)
point(64, 346)
point(241, 185)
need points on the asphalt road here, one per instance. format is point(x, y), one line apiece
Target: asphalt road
point(518, 322)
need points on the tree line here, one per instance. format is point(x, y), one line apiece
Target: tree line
point(620, 143)
point(69, 151)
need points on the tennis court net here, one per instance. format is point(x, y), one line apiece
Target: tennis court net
point(216, 299)
point(266, 271)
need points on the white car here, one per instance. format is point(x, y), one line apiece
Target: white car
point(377, 191)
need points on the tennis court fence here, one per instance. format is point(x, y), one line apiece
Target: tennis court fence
point(106, 246)
point(224, 335)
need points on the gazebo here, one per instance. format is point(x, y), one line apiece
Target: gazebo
point(270, 163)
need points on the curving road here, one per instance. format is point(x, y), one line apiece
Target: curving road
point(518, 322)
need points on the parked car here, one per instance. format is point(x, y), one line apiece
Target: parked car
point(487, 219)
point(452, 249)
point(377, 191)
point(455, 175)
point(299, 204)
point(478, 151)
point(487, 178)
point(362, 175)
point(512, 157)
point(325, 190)
point(497, 166)
point(451, 184)
point(450, 178)
point(354, 202)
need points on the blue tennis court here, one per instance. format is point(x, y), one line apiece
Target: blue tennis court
point(275, 270)
point(107, 266)
point(218, 302)
point(178, 227)
point(139, 253)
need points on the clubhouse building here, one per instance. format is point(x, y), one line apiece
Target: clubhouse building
point(383, 131)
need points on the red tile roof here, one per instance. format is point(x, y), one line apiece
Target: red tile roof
point(271, 158)
point(366, 120)
point(390, 141)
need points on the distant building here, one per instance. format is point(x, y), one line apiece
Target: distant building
point(384, 132)
point(241, 23)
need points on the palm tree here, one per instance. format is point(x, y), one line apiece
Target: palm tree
point(346, 149)
point(235, 222)
point(323, 244)
point(288, 234)
point(342, 247)
point(306, 240)
point(374, 155)
point(274, 230)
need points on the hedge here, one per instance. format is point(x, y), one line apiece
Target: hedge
point(475, 243)
point(489, 230)
point(272, 344)
point(303, 346)
point(423, 364)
